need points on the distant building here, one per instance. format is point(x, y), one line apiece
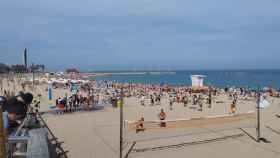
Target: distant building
point(25, 58)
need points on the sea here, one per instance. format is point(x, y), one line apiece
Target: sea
point(219, 78)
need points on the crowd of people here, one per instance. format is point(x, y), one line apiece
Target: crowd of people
point(89, 95)
point(149, 94)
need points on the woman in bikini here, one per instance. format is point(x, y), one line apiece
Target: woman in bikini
point(140, 125)
point(162, 117)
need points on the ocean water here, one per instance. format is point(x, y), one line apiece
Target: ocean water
point(248, 78)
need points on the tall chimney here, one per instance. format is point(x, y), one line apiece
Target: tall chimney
point(25, 57)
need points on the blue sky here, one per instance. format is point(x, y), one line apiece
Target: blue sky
point(142, 34)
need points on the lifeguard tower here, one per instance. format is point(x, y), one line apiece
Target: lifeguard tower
point(197, 83)
point(197, 80)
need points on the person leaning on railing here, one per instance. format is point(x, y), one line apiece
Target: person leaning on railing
point(15, 109)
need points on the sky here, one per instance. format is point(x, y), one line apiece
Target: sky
point(142, 34)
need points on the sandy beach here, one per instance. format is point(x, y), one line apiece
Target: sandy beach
point(95, 134)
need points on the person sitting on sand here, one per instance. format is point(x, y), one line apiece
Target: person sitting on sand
point(162, 117)
point(140, 125)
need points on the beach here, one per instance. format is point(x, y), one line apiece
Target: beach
point(95, 134)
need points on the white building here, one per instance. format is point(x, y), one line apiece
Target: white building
point(197, 80)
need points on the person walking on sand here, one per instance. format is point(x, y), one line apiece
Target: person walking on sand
point(194, 99)
point(162, 117)
point(142, 100)
point(185, 101)
point(170, 103)
point(200, 104)
point(152, 100)
point(233, 107)
point(209, 100)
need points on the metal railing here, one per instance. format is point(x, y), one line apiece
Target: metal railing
point(18, 142)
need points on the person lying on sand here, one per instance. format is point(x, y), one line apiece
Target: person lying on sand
point(140, 125)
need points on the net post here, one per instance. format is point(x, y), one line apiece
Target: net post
point(121, 124)
point(258, 115)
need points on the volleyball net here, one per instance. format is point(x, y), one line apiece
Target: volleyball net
point(150, 126)
point(153, 131)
